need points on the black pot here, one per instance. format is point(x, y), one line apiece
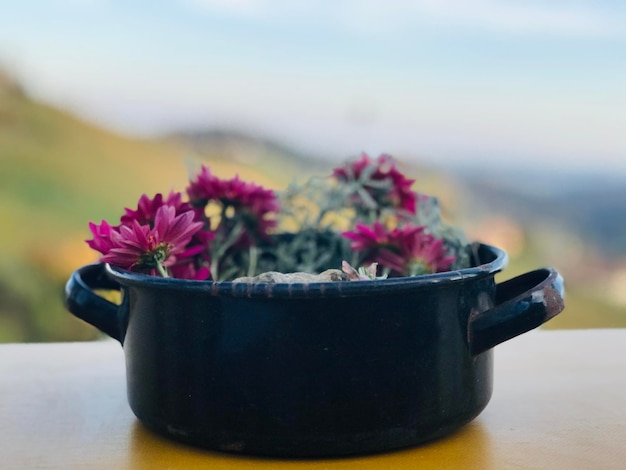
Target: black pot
point(313, 369)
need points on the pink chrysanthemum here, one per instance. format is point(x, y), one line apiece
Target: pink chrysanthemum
point(101, 240)
point(382, 181)
point(147, 208)
point(252, 205)
point(406, 251)
point(368, 238)
point(142, 227)
point(144, 248)
point(204, 188)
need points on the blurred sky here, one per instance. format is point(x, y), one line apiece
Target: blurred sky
point(508, 81)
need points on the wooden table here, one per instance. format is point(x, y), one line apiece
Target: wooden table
point(559, 403)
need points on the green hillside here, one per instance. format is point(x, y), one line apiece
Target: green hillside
point(57, 174)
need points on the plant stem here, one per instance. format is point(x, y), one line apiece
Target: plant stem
point(254, 256)
point(214, 269)
point(161, 269)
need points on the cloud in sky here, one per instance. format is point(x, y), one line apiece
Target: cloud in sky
point(567, 18)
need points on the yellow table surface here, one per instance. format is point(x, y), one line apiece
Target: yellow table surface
point(559, 402)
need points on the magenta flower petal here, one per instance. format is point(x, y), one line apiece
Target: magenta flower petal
point(406, 250)
point(384, 183)
point(101, 237)
point(147, 208)
point(142, 247)
point(251, 204)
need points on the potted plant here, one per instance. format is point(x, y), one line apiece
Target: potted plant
point(339, 316)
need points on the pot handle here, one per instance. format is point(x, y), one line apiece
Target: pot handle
point(84, 303)
point(522, 304)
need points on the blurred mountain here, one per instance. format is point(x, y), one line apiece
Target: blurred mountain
point(267, 155)
point(592, 205)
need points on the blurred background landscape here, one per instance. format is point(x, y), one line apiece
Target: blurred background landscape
point(512, 113)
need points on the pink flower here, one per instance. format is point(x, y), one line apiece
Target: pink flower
point(144, 248)
point(383, 183)
point(158, 238)
point(367, 238)
point(101, 237)
point(248, 203)
point(147, 208)
point(204, 188)
point(406, 251)
point(254, 200)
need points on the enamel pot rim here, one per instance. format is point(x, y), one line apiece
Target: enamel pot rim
point(499, 260)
